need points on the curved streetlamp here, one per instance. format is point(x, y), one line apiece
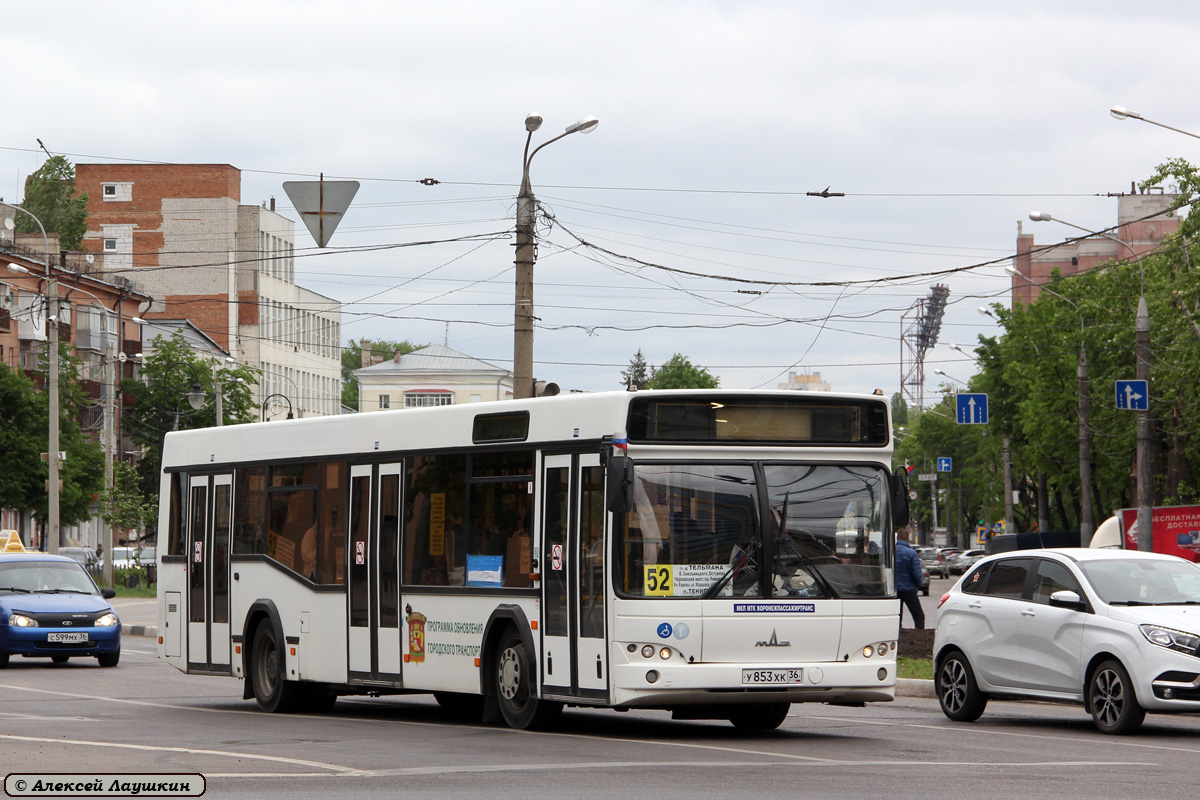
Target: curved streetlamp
point(195, 396)
point(52, 515)
point(1122, 113)
point(527, 255)
point(1141, 327)
point(267, 402)
point(222, 361)
point(944, 374)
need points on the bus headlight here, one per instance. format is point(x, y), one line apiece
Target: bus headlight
point(665, 653)
point(648, 651)
point(868, 651)
point(22, 621)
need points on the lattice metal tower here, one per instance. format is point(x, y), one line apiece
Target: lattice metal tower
point(919, 329)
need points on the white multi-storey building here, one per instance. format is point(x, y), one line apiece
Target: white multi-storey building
point(228, 268)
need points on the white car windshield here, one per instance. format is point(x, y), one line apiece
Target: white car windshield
point(1144, 581)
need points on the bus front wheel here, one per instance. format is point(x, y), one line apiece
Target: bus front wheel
point(759, 716)
point(272, 692)
point(513, 675)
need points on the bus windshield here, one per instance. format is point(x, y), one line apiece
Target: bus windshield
point(697, 530)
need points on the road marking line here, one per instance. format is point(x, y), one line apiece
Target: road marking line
point(976, 729)
point(686, 745)
point(189, 750)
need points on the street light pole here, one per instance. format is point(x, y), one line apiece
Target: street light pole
point(1145, 495)
point(267, 401)
point(1086, 521)
point(52, 516)
point(1124, 113)
point(526, 256)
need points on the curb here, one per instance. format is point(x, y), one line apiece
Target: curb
point(914, 687)
point(140, 630)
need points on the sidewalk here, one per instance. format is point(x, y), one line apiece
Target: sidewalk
point(139, 615)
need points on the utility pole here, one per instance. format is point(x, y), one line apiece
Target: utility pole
point(220, 397)
point(527, 255)
point(523, 309)
point(52, 517)
point(1086, 523)
point(1008, 486)
point(110, 391)
point(1145, 495)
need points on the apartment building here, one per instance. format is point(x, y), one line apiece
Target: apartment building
point(182, 231)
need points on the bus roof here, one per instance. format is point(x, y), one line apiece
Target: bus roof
point(564, 418)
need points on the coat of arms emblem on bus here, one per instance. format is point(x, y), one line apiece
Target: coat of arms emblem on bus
point(416, 637)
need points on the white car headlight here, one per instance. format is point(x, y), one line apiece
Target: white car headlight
point(107, 621)
point(22, 621)
point(1171, 638)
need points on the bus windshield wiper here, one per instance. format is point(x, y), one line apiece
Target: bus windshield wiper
point(809, 565)
point(745, 560)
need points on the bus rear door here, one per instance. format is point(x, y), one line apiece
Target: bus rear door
point(209, 529)
point(373, 553)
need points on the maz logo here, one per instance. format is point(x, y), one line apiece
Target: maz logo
point(773, 641)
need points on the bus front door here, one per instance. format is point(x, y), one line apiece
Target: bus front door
point(574, 664)
point(209, 528)
point(373, 568)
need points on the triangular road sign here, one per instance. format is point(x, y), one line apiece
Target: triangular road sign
point(321, 204)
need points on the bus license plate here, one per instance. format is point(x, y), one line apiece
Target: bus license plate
point(74, 637)
point(771, 676)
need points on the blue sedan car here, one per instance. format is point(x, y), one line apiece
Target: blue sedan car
point(51, 608)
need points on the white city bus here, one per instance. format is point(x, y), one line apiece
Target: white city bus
point(719, 554)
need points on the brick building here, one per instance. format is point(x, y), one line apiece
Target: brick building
point(1143, 219)
point(182, 231)
point(94, 321)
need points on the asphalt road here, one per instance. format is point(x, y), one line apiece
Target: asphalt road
point(143, 716)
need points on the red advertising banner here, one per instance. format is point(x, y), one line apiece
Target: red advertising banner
point(1176, 530)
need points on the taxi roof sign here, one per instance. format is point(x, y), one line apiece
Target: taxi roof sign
point(12, 542)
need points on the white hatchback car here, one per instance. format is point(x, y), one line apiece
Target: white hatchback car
point(1115, 630)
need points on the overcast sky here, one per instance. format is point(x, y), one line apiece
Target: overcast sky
point(943, 123)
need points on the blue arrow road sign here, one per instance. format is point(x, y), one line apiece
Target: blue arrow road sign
point(972, 409)
point(945, 464)
point(1133, 395)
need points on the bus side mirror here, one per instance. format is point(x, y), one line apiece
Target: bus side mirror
point(899, 500)
point(620, 484)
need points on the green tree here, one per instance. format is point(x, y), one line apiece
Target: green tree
point(50, 196)
point(679, 373)
point(25, 435)
point(161, 404)
point(125, 506)
point(352, 360)
point(899, 409)
point(638, 374)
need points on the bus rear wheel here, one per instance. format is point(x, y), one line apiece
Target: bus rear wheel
point(759, 716)
point(272, 692)
point(513, 677)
